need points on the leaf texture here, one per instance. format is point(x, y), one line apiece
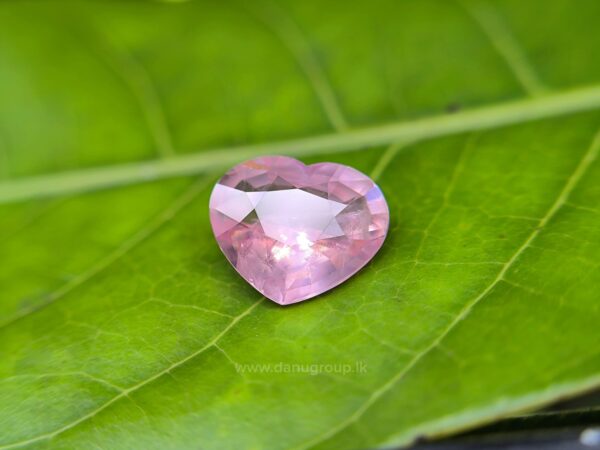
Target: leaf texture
point(122, 325)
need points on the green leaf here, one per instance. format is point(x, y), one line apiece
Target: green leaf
point(122, 325)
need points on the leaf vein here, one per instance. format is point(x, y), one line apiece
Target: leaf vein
point(486, 17)
point(284, 27)
point(126, 392)
point(588, 157)
point(141, 235)
point(486, 117)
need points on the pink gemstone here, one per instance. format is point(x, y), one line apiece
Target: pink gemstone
point(295, 231)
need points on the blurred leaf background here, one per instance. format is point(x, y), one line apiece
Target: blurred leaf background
point(121, 324)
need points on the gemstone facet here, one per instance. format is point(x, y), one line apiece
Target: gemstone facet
point(295, 231)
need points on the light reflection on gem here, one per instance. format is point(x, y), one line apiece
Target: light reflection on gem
point(280, 251)
point(296, 231)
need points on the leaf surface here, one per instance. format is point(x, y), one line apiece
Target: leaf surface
point(122, 325)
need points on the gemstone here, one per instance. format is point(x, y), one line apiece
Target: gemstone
point(295, 231)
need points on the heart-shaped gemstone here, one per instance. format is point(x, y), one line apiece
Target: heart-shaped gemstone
point(295, 231)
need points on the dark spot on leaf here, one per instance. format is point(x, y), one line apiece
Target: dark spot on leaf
point(453, 107)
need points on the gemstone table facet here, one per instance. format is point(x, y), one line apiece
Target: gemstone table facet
point(295, 231)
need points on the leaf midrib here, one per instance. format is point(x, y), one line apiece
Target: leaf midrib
point(485, 117)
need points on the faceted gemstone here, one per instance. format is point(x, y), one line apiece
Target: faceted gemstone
point(295, 231)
